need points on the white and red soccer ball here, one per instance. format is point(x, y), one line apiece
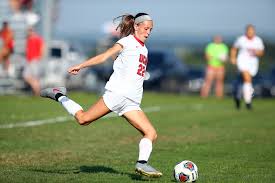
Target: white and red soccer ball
point(186, 171)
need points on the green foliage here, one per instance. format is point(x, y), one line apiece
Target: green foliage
point(226, 144)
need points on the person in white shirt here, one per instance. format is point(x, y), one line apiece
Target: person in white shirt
point(124, 89)
point(245, 54)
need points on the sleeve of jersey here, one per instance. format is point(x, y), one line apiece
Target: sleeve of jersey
point(261, 44)
point(206, 50)
point(225, 48)
point(237, 43)
point(123, 42)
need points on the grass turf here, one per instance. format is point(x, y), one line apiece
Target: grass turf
point(227, 145)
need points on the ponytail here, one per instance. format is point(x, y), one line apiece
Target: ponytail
point(126, 23)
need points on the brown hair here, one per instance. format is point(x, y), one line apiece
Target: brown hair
point(126, 23)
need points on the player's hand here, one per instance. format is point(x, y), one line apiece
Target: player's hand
point(74, 70)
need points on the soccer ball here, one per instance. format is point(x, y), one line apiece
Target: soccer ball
point(186, 171)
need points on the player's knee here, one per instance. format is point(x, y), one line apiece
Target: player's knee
point(153, 135)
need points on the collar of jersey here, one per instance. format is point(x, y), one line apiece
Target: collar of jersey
point(140, 42)
point(249, 38)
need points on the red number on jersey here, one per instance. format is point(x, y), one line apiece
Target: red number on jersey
point(141, 70)
point(141, 67)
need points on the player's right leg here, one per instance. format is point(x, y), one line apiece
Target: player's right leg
point(83, 117)
point(247, 89)
point(147, 170)
point(139, 120)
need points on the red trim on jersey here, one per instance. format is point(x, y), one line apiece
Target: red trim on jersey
point(142, 43)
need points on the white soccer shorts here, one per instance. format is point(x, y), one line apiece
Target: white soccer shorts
point(119, 104)
point(251, 66)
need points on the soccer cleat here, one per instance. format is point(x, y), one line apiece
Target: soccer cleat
point(51, 92)
point(237, 103)
point(249, 106)
point(147, 170)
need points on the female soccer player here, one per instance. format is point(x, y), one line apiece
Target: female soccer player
point(250, 48)
point(124, 89)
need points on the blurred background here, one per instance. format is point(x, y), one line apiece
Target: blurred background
point(73, 31)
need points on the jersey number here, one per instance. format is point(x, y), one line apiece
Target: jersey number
point(141, 67)
point(141, 70)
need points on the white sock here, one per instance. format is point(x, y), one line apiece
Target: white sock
point(247, 92)
point(71, 106)
point(145, 149)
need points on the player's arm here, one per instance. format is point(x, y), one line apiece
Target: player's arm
point(97, 59)
point(259, 53)
point(114, 57)
point(233, 55)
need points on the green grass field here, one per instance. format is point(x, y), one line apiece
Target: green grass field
point(227, 145)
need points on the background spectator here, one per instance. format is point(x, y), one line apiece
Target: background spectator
point(6, 36)
point(216, 54)
point(34, 53)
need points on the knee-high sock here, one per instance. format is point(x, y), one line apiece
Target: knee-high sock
point(145, 149)
point(71, 106)
point(247, 92)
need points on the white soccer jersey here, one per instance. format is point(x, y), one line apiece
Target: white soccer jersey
point(129, 69)
point(246, 59)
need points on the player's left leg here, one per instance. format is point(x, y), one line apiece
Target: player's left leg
point(139, 120)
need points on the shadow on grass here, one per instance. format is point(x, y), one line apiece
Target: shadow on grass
point(93, 170)
point(56, 171)
point(98, 169)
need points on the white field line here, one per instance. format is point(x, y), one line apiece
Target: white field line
point(62, 119)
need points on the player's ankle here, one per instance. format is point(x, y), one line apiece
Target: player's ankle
point(58, 95)
point(142, 161)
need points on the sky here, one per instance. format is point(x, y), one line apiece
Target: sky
point(172, 18)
